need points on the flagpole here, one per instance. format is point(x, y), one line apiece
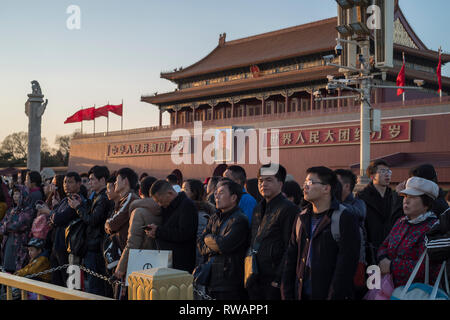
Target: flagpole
point(107, 120)
point(403, 95)
point(440, 90)
point(121, 119)
point(82, 121)
point(94, 120)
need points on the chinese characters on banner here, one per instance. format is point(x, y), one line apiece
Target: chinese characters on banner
point(143, 148)
point(330, 136)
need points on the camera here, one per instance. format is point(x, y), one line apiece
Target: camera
point(328, 58)
point(331, 88)
point(317, 94)
point(338, 49)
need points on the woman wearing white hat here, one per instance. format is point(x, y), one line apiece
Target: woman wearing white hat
point(404, 245)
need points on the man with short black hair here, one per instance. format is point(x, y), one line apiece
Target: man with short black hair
point(178, 231)
point(357, 207)
point(247, 202)
point(382, 208)
point(173, 180)
point(125, 186)
point(271, 226)
point(224, 241)
point(60, 217)
point(95, 217)
point(324, 245)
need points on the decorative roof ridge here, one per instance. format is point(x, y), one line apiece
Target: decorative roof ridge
point(224, 43)
point(282, 31)
point(414, 37)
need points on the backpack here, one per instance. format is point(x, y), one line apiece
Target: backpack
point(335, 221)
point(111, 251)
point(75, 238)
point(336, 234)
point(40, 227)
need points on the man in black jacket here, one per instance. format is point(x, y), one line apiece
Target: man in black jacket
point(178, 231)
point(271, 227)
point(224, 243)
point(60, 217)
point(95, 217)
point(323, 251)
point(382, 208)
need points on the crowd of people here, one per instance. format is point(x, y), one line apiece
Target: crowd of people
point(309, 241)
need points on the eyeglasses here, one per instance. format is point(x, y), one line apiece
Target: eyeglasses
point(309, 183)
point(385, 171)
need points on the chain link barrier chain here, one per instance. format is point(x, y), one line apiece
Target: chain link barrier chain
point(202, 294)
point(109, 280)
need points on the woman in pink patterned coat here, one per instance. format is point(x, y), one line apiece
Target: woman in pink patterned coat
point(404, 245)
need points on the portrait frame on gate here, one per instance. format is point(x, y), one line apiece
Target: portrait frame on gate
point(223, 144)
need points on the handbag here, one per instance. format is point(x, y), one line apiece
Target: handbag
point(111, 251)
point(202, 273)
point(148, 259)
point(250, 267)
point(75, 238)
point(250, 263)
point(385, 291)
point(423, 291)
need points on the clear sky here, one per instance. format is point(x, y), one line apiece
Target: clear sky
point(122, 46)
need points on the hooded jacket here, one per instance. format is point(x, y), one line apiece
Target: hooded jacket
point(143, 212)
point(15, 228)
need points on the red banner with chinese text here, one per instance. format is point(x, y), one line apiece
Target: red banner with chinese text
point(391, 132)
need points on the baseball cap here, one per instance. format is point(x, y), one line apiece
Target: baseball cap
point(416, 186)
point(35, 242)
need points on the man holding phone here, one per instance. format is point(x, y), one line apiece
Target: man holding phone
point(60, 217)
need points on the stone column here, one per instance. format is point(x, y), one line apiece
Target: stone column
point(34, 109)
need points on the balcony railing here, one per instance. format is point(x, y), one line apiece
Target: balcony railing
point(318, 111)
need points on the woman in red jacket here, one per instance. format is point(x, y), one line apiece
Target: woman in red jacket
point(404, 245)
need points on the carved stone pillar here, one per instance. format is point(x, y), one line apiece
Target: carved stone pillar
point(34, 109)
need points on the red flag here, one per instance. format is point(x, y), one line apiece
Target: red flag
point(116, 109)
point(401, 78)
point(439, 72)
point(76, 117)
point(88, 114)
point(102, 111)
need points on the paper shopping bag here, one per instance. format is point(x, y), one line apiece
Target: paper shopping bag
point(147, 259)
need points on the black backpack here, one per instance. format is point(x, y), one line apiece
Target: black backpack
point(75, 238)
